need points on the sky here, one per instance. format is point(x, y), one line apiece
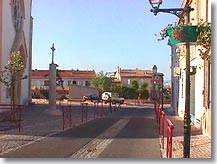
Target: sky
point(101, 35)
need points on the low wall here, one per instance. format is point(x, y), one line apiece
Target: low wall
point(77, 92)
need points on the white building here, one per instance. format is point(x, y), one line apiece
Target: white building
point(16, 26)
point(175, 74)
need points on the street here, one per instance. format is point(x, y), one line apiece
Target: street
point(130, 132)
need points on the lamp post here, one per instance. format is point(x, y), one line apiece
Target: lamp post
point(181, 13)
point(154, 69)
point(162, 92)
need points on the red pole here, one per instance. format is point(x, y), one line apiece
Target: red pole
point(162, 128)
point(169, 138)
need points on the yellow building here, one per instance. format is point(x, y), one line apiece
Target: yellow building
point(16, 26)
point(200, 82)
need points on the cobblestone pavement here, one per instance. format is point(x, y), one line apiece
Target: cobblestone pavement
point(38, 125)
point(200, 145)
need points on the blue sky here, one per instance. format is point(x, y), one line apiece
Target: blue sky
point(101, 34)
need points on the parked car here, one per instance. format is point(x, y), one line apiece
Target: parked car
point(91, 97)
point(113, 97)
point(63, 97)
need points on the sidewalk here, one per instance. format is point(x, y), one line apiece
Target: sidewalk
point(37, 125)
point(200, 145)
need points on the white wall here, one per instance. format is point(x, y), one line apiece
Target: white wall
point(26, 29)
point(8, 38)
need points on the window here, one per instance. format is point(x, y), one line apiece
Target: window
point(46, 83)
point(8, 93)
point(60, 83)
point(87, 83)
point(128, 81)
point(156, 77)
point(81, 83)
point(69, 83)
point(74, 82)
point(182, 86)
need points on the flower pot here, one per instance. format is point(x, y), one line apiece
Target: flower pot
point(189, 34)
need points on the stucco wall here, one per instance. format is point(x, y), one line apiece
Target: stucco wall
point(77, 92)
point(8, 35)
point(8, 38)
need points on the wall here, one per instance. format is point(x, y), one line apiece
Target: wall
point(1, 23)
point(77, 92)
point(8, 35)
point(8, 44)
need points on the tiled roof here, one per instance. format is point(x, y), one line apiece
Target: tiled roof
point(136, 73)
point(66, 73)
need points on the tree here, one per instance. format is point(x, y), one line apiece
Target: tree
point(135, 84)
point(12, 74)
point(102, 82)
point(144, 93)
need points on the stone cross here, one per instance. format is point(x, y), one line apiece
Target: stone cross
point(53, 49)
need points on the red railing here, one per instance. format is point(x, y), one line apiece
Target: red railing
point(102, 112)
point(170, 129)
point(162, 127)
point(84, 111)
point(161, 119)
point(10, 116)
point(67, 116)
point(96, 109)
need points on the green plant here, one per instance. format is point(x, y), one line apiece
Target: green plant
point(204, 40)
point(177, 31)
point(12, 74)
point(163, 33)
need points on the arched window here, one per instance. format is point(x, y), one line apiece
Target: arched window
point(18, 14)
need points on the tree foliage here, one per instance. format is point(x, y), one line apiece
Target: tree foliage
point(102, 82)
point(13, 72)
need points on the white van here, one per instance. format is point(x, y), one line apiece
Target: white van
point(113, 97)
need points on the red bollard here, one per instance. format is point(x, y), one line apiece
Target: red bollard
point(110, 106)
point(96, 112)
point(157, 112)
point(159, 117)
point(83, 111)
point(102, 110)
point(170, 129)
point(162, 128)
point(67, 118)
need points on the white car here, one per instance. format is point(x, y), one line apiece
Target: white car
point(113, 97)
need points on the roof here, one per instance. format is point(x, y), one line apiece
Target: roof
point(135, 73)
point(66, 73)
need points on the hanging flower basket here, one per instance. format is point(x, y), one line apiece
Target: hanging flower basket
point(204, 40)
point(182, 34)
point(200, 35)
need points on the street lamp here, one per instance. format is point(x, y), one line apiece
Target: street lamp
point(154, 69)
point(181, 13)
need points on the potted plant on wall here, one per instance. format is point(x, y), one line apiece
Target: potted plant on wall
point(180, 33)
point(200, 35)
point(204, 40)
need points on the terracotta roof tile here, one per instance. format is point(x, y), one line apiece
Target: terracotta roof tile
point(135, 73)
point(66, 73)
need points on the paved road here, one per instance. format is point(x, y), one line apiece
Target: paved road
point(126, 133)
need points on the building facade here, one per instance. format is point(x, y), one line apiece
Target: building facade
point(175, 75)
point(16, 28)
point(200, 90)
point(40, 80)
point(126, 76)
